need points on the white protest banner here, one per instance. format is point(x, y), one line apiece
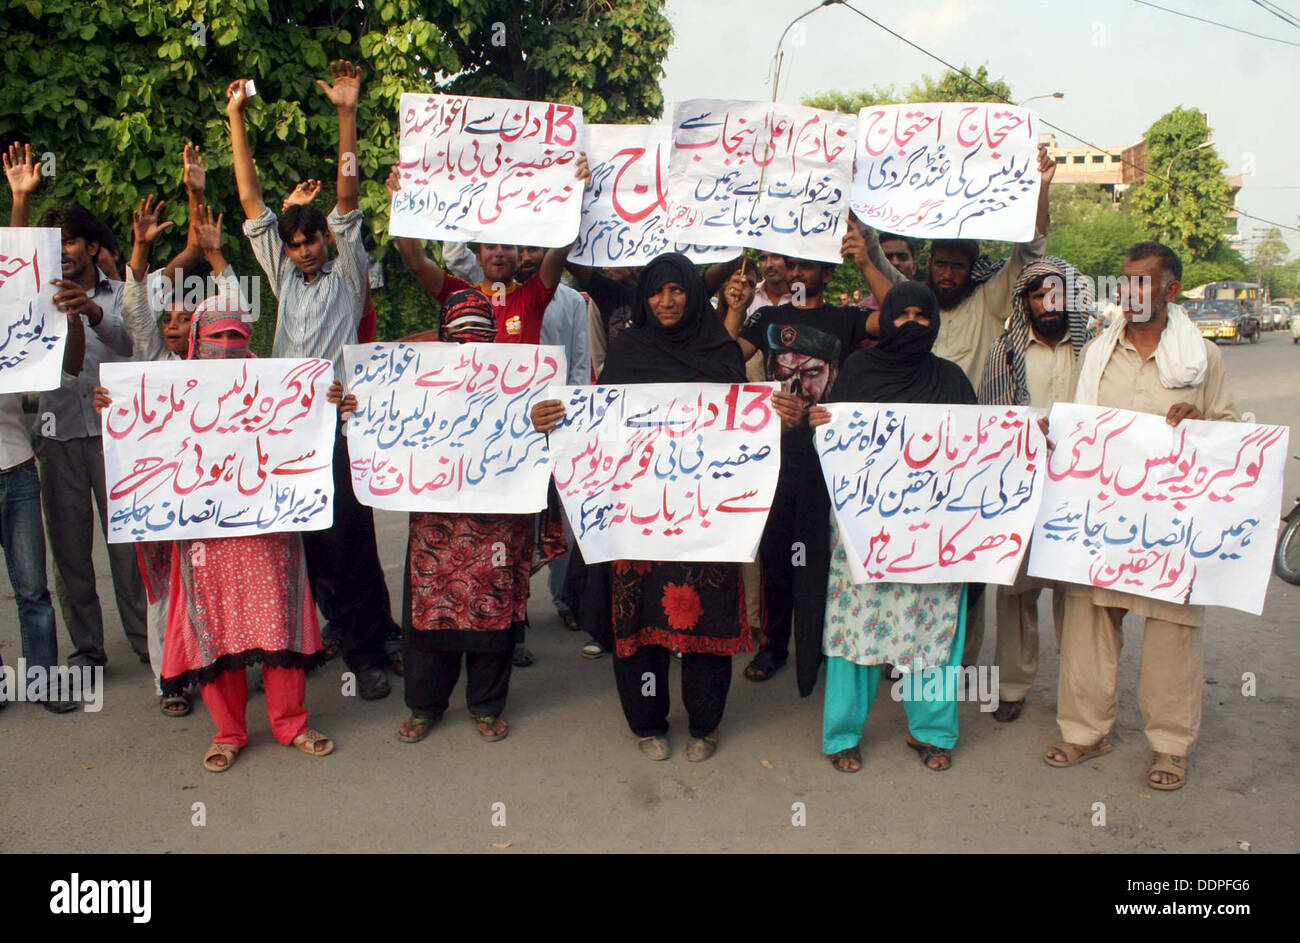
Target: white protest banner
point(32, 330)
point(489, 170)
point(218, 448)
point(447, 427)
point(952, 170)
point(1187, 514)
point(667, 471)
point(932, 494)
point(627, 204)
point(763, 175)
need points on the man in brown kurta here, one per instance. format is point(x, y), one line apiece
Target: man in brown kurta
point(1171, 674)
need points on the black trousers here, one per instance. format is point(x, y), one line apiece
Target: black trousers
point(795, 553)
point(344, 572)
point(642, 681)
point(431, 677)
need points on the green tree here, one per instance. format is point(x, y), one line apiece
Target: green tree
point(1089, 230)
point(1190, 215)
point(950, 87)
point(112, 91)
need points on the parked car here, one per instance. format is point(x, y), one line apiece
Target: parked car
point(1276, 318)
point(1225, 319)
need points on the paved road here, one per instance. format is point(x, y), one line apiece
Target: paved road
point(571, 779)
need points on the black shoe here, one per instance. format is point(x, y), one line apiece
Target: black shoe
point(521, 657)
point(59, 707)
point(372, 684)
point(142, 655)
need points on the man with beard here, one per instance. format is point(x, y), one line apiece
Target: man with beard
point(1032, 364)
point(803, 343)
point(1151, 359)
point(974, 298)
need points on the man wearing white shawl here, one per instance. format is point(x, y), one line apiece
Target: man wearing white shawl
point(1153, 360)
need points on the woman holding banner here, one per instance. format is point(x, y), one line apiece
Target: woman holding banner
point(663, 606)
point(918, 628)
point(237, 601)
point(466, 582)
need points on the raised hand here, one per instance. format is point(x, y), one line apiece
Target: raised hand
point(237, 96)
point(21, 170)
point(347, 84)
point(145, 221)
point(582, 171)
point(394, 182)
point(302, 194)
point(193, 174)
point(738, 291)
point(1046, 165)
point(207, 231)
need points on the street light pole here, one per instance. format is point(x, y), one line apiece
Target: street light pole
point(1035, 98)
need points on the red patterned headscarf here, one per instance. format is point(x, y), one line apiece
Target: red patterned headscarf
point(468, 317)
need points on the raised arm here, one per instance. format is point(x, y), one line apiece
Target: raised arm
point(1047, 170)
point(426, 271)
point(24, 178)
point(250, 188)
point(343, 95)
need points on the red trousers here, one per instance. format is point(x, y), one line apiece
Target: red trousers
point(227, 700)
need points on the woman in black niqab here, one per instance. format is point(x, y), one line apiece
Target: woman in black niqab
point(918, 628)
point(901, 368)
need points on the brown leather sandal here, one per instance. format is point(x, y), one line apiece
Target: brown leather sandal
point(225, 751)
point(309, 740)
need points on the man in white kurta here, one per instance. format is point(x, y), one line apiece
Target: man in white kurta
point(1121, 369)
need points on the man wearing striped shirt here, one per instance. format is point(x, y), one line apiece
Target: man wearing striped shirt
point(320, 305)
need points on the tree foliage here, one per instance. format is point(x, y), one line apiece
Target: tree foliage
point(1190, 211)
point(112, 91)
point(950, 87)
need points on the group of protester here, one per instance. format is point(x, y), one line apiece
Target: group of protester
point(1017, 332)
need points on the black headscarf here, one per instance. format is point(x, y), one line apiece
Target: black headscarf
point(697, 349)
point(901, 368)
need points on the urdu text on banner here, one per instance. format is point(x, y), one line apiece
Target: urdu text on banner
point(448, 427)
point(488, 170)
point(32, 329)
point(952, 170)
point(667, 471)
point(932, 494)
point(218, 448)
point(1187, 514)
point(761, 175)
point(626, 206)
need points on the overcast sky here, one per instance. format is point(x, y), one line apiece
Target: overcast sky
point(1121, 66)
